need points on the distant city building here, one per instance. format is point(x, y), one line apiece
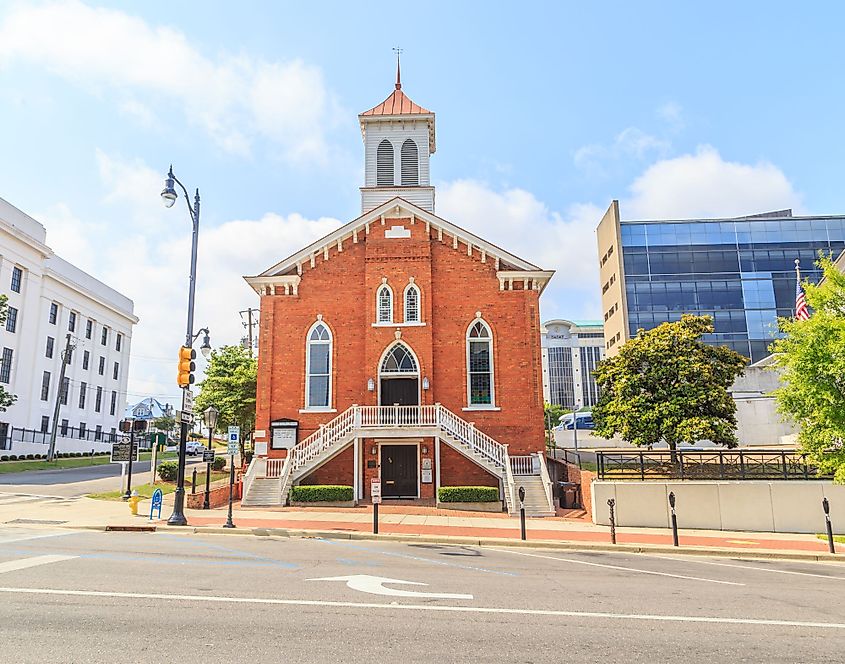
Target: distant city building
point(571, 352)
point(740, 271)
point(48, 298)
point(149, 409)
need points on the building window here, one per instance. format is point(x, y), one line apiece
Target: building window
point(104, 336)
point(410, 164)
point(116, 371)
point(384, 164)
point(98, 432)
point(318, 368)
point(45, 386)
point(82, 432)
point(480, 364)
point(54, 313)
point(45, 424)
point(399, 359)
point(561, 377)
point(102, 368)
point(113, 404)
point(11, 320)
point(83, 387)
point(6, 366)
point(384, 304)
point(89, 328)
point(50, 343)
point(86, 357)
point(412, 304)
point(98, 401)
point(118, 341)
point(64, 427)
point(71, 321)
point(17, 277)
point(65, 390)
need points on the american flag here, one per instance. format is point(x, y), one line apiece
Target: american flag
point(801, 311)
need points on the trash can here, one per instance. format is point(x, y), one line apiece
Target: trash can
point(570, 495)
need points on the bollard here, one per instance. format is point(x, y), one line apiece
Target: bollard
point(611, 503)
point(194, 482)
point(375, 518)
point(674, 519)
point(522, 513)
point(826, 508)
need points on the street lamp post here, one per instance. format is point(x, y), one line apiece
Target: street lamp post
point(169, 196)
point(210, 414)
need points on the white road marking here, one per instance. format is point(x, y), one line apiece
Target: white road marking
point(35, 561)
point(758, 569)
point(622, 567)
point(22, 538)
point(375, 586)
point(425, 607)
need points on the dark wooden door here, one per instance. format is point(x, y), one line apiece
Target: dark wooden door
point(399, 391)
point(399, 471)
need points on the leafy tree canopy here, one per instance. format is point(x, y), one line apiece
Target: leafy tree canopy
point(229, 385)
point(812, 359)
point(666, 384)
point(6, 398)
point(166, 423)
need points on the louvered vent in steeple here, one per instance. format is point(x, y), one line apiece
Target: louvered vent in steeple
point(384, 164)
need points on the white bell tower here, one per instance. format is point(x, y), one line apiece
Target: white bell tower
point(398, 142)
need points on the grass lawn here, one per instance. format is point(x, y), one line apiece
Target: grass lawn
point(146, 490)
point(71, 462)
point(836, 538)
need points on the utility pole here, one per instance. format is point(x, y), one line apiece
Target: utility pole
point(51, 451)
point(248, 325)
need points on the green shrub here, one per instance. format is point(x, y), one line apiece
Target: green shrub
point(334, 493)
point(5, 457)
point(468, 494)
point(39, 456)
point(168, 470)
point(30, 457)
point(219, 463)
point(13, 457)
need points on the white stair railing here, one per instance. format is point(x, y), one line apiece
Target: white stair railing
point(510, 486)
point(325, 438)
point(523, 465)
point(465, 432)
point(547, 481)
point(274, 468)
point(255, 465)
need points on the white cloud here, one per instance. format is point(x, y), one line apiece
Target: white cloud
point(516, 220)
point(152, 267)
point(236, 99)
point(672, 114)
point(630, 143)
point(705, 185)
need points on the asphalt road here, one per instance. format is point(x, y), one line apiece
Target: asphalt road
point(72, 482)
point(71, 596)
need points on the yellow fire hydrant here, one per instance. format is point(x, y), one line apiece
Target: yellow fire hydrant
point(134, 499)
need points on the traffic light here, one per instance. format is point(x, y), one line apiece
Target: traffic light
point(187, 366)
point(125, 426)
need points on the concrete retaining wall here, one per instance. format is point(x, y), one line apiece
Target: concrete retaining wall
point(775, 506)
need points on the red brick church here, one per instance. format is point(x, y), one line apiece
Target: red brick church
point(400, 347)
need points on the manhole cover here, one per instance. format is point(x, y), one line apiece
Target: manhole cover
point(45, 522)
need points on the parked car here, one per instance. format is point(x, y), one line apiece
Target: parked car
point(194, 447)
point(585, 421)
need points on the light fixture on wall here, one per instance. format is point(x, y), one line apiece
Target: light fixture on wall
point(371, 385)
point(424, 449)
point(425, 383)
point(374, 450)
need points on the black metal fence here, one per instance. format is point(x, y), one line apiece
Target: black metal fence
point(739, 464)
point(11, 435)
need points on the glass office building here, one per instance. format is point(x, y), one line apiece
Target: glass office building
point(739, 271)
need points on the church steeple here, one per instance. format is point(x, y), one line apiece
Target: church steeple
point(398, 141)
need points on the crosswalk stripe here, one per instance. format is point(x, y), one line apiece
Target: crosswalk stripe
point(35, 561)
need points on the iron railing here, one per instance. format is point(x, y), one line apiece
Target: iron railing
point(738, 464)
point(20, 435)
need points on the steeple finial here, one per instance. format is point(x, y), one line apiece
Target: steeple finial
point(398, 52)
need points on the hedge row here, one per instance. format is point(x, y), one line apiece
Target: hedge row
point(334, 493)
point(467, 494)
point(58, 455)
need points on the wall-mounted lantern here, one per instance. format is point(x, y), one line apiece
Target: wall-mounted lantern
point(425, 383)
point(371, 385)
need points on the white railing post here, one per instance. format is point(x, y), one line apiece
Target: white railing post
point(547, 481)
point(357, 416)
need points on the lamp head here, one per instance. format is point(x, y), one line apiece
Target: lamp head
point(211, 414)
point(168, 194)
point(205, 349)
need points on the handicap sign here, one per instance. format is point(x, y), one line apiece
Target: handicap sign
point(234, 440)
point(156, 503)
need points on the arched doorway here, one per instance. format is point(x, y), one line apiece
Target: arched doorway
point(399, 377)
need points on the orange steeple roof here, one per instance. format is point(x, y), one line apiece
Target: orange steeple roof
point(398, 103)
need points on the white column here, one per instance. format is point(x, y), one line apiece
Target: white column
point(436, 465)
point(356, 482)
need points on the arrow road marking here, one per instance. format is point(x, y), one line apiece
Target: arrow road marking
point(375, 586)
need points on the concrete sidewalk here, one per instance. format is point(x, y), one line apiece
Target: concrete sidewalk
point(409, 522)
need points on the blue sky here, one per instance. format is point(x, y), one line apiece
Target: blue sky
point(545, 112)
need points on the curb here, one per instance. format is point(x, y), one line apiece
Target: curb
point(550, 545)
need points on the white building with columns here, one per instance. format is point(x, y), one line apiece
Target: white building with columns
point(571, 352)
point(49, 299)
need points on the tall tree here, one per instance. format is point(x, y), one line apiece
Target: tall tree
point(666, 384)
point(6, 398)
point(812, 359)
point(229, 385)
point(166, 423)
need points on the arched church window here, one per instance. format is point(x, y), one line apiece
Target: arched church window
point(384, 304)
point(480, 387)
point(412, 304)
point(318, 367)
point(399, 360)
point(410, 163)
point(384, 164)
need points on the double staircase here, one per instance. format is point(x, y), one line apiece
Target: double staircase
point(268, 481)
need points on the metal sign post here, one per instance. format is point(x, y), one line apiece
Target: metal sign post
point(375, 494)
point(522, 512)
point(208, 457)
point(233, 445)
